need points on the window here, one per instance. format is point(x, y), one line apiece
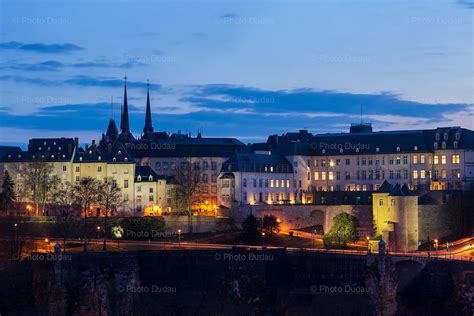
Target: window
point(405, 174)
point(254, 183)
point(405, 160)
point(150, 198)
point(165, 165)
point(398, 160)
point(444, 174)
point(214, 178)
point(391, 174)
point(435, 145)
point(422, 159)
point(380, 202)
point(315, 163)
point(172, 165)
point(415, 174)
point(338, 175)
point(158, 166)
point(316, 176)
point(125, 184)
point(245, 196)
point(422, 174)
point(277, 183)
point(213, 165)
point(443, 159)
point(443, 145)
point(266, 183)
point(125, 197)
point(399, 174)
point(323, 175)
point(348, 162)
point(205, 178)
point(260, 183)
point(271, 183)
point(287, 183)
point(331, 175)
point(99, 169)
point(455, 145)
point(457, 173)
point(455, 159)
point(415, 159)
point(392, 202)
point(64, 168)
point(139, 188)
point(77, 178)
point(205, 165)
point(323, 163)
point(435, 160)
point(390, 161)
point(348, 175)
point(78, 169)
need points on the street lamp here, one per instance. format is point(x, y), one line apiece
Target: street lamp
point(46, 240)
point(263, 239)
point(368, 248)
point(436, 244)
point(179, 236)
point(98, 232)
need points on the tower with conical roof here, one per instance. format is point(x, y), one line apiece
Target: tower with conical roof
point(148, 129)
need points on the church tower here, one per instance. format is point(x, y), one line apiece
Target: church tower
point(125, 135)
point(148, 129)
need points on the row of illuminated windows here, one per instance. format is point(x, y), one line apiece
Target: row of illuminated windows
point(99, 169)
point(266, 182)
point(266, 196)
point(455, 159)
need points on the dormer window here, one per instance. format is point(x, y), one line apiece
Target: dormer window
point(59, 148)
point(150, 178)
point(42, 156)
point(90, 152)
point(435, 145)
point(54, 143)
point(458, 136)
point(100, 158)
point(126, 159)
point(443, 145)
point(19, 156)
point(44, 143)
point(49, 148)
point(114, 159)
point(52, 156)
point(377, 149)
point(416, 148)
point(9, 156)
point(139, 178)
point(455, 145)
point(398, 148)
point(39, 148)
point(445, 136)
point(64, 156)
point(357, 149)
point(80, 158)
point(323, 151)
point(438, 136)
point(341, 150)
point(119, 152)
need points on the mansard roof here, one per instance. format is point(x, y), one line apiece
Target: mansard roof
point(144, 172)
point(252, 162)
point(371, 143)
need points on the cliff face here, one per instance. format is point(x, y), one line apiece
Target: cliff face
point(234, 283)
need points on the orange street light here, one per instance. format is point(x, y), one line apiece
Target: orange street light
point(368, 238)
point(278, 220)
point(46, 240)
point(98, 227)
point(263, 234)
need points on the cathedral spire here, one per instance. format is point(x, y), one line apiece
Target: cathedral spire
point(148, 125)
point(124, 125)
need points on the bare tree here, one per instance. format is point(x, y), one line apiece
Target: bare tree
point(187, 187)
point(65, 197)
point(86, 190)
point(39, 181)
point(110, 198)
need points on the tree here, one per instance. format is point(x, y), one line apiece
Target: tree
point(250, 228)
point(343, 230)
point(39, 180)
point(270, 224)
point(8, 195)
point(110, 198)
point(86, 190)
point(187, 187)
point(66, 198)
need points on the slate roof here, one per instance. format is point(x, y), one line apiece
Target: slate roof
point(144, 172)
point(360, 142)
point(250, 162)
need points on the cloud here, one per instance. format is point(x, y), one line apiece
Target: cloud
point(53, 65)
point(467, 3)
point(41, 47)
point(228, 16)
point(82, 81)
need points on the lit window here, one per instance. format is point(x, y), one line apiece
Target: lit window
point(455, 159)
point(271, 183)
point(443, 159)
point(331, 175)
point(415, 159)
point(436, 160)
point(323, 175)
point(415, 174)
point(316, 176)
point(380, 202)
point(422, 174)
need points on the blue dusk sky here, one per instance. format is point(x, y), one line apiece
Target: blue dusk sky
point(244, 69)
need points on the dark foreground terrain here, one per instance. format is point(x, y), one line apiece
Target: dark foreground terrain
point(237, 282)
